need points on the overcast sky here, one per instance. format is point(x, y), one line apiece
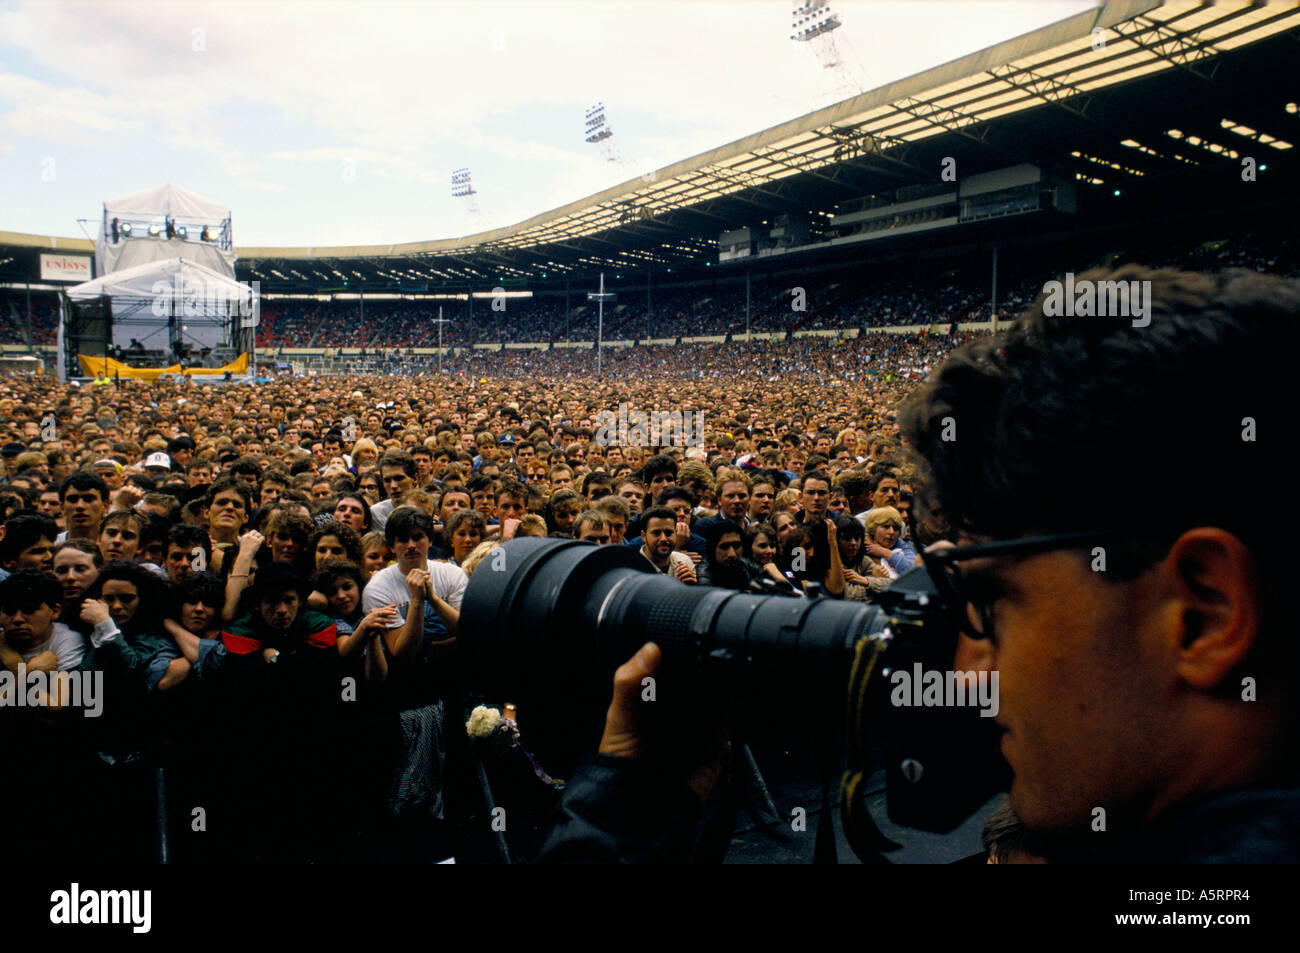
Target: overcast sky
point(340, 123)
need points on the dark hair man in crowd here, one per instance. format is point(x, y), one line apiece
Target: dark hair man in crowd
point(84, 498)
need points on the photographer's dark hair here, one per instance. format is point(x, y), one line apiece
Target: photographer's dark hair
point(1214, 369)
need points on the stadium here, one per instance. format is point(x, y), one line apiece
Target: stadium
point(833, 298)
point(948, 197)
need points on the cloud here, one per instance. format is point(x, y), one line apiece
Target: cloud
point(259, 185)
point(409, 91)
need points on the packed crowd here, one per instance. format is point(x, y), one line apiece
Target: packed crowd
point(832, 300)
point(778, 307)
point(266, 579)
point(871, 356)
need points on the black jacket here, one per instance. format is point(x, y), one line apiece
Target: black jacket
point(620, 811)
point(616, 810)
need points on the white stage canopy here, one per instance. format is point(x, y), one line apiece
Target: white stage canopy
point(155, 206)
point(204, 306)
point(170, 201)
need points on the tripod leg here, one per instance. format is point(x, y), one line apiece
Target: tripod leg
point(754, 781)
point(162, 843)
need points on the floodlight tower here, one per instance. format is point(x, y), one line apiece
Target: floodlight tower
point(440, 321)
point(600, 297)
point(462, 187)
point(596, 130)
point(814, 23)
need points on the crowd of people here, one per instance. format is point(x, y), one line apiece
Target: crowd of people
point(267, 578)
point(248, 595)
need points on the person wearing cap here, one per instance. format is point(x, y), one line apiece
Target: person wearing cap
point(110, 471)
point(158, 463)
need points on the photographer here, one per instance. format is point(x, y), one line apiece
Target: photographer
point(1143, 713)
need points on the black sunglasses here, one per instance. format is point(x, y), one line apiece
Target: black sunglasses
point(943, 567)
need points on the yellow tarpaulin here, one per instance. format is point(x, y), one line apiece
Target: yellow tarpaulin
point(107, 367)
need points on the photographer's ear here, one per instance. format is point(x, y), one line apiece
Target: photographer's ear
point(1216, 588)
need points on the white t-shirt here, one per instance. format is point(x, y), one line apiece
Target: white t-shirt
point(379, 514)
point(388, 588)
point(68, 647)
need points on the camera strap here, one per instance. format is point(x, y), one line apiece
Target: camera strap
point(860, 829)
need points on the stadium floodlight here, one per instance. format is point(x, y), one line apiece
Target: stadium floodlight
point(596, 127)
point(181, 231)
point(812, 19)
point(126, 229)
point(596, 130)
point(814, 23)
point(462, 185)
point(209, 233)
point(155, 231)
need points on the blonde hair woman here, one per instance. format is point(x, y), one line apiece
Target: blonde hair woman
point(364, 451)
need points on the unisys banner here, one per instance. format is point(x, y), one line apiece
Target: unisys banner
point(65, 268)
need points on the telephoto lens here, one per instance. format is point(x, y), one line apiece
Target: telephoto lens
point(544, 624)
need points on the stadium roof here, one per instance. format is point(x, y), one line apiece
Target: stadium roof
point(1072, 75)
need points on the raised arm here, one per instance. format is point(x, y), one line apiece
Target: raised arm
point(237, 581)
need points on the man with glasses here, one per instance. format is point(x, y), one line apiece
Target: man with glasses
point(1134, 659)
point(1146, 689)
